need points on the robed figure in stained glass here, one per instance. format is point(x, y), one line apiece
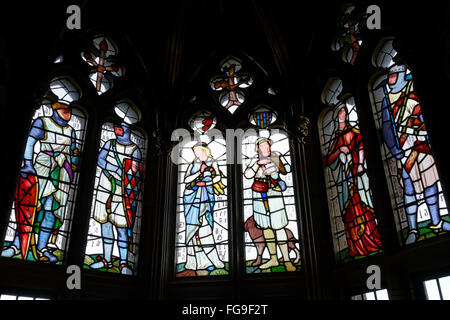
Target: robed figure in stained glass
point(116, 201)
point(346, 159)
point(46, 177)
point(202, 184)
point(269, 210)
point(406, 136)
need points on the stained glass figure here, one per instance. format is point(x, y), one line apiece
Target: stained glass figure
point(263, 117)
point(113, 237)
point(231, 81)
point(349, 38)
point(202, 216)
point(270, 219)
point(203, 122)
point(102, 58)
point(39, 225)
point(353, 220)
point(417, 196)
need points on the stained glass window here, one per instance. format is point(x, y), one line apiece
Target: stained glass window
point(40, 220)
point(348, 39)
point(202, 236)
point(352, 214)
point(262, 117)
point(270, 219)
point(202, 122)
point(438, 288)
point(114, 227)
point(382, 294)
point(420, 207)
point(101, 56)
point(231, 83)
point(14, 297)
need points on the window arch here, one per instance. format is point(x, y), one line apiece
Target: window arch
point(115, 220)
point(352, 214)
point(250, 105)
point(416, 193)
point(40, 221)
point(202, 219)
point(270, 215)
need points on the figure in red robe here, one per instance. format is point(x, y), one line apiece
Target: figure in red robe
point(346, 160)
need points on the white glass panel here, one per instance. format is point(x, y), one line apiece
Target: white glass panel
point(382, 294)
point(369, 296)
point(444, 283)
point(432, 290)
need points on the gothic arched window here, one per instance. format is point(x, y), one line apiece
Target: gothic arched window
point(270, 218)
point(420, 207)
point(264, 221)
point(202, 223)
point(41, 215)
point(113, 236)
point(352, 215)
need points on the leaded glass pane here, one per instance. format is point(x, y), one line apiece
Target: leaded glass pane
point(41, 214)
point(271, 236)
point(416, 192)
point(202, 225)
point(352, 214)
point(114, 227)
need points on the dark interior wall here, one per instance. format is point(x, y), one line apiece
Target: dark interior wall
point(166, 45)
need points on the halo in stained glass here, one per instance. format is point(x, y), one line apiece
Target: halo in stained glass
point(128, 112)
point(262, 117)
point(202, 122)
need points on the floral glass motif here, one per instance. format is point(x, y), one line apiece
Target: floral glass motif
point(41, 214)
point(419, 203)
point(114, 227)
point(270, 219)
point(202, 237)
point(203, 122)
point(101, 57)
point(352, 215)
point(231, 82)
point(348, 38)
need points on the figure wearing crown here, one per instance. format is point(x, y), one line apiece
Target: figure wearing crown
point(406, 136)
point(49, 172)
